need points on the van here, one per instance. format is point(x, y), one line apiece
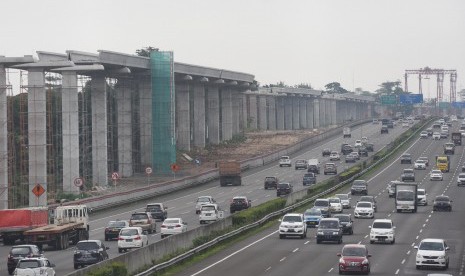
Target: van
point(210, 212)
point(313, 165)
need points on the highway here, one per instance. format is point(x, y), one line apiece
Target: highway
point(181, 204)
point(266, 254)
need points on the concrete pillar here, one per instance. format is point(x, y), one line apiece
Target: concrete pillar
point(183, 116)
point(323, 113)
point(333, 113)
point(262, 123)
point(327, 113)
point(235, 110)
point(226, 114)
point(213, 117)
point(280, 113)
point(99, 130)
point(145, 120)
point(303, 113)
point(37, 147)
point(310, 113)
point(3, 141)
point(124, 92)
point(288, 113)
point(199, 114)
point(295, 112)
point(316, 113)
point(245, 112)
point(271, 111)
point(253, 112)
point(70, 126)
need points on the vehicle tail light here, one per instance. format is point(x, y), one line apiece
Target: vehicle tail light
point(120, 238)
point(10, 256)
point(178, 225)
point(30, 255)
point(163, 226)
point(107, 230)
point(137, 238)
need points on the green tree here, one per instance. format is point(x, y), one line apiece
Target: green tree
point(279, 84)
point(335, 87)
point(304, 85)
point(145, 52)
point(390, 87)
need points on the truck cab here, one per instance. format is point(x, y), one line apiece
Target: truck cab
point(449, 148)
point(443, 163)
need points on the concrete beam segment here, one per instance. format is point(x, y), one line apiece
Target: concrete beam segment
point(316, 113)
point(37, 146)
point(303, 113)
point(296, 112)
point(49, 56)
point(183, 115)
point(236, 110)
point(145, 121)
point(213, 117)
point(226, 114)
point(183, 68)
point(199, 114)
point(124, 91)
point(12, 61)
point(82, 69)
point(99, 130)
point(262, 110)
point(70, 126)
point(122, 59)
point(288, 113)
point(310, 113)
point(79, 57)
point(3, 141)
point(280, 118)
point(271, 112)
point(252, 121)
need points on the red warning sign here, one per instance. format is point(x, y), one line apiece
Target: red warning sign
point(38, 190)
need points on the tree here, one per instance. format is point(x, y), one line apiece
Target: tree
point(279, 84)
point(304, 85)
point(390, 87)
point(335, 87)
point(145, 52)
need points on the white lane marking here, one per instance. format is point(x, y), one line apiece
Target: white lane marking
point(268, 268)
point(183, 213)
point(282, 259)
point(306, 242)
point(365, 237)
point(413, 244)
point(421, 230)
point(234, 253)
point(403, 261)
point(397, 271)
point(331, 269)
point(408, 252)
point(424, 225)
point(416, 237)
point(295, 250)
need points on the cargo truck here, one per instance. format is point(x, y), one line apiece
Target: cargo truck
point(230, 173)
point(406, 197)
point(449, 148)
point(14, 222)
point(67, 224)
point(443, 163)
point(457, 138)
point(346, 132)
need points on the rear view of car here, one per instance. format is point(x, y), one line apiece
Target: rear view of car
point(89, 252)
point(34, 266)
point(131, 237)
point(172, 226)
point(20, 252)
point(143, 220)
point(113, 228)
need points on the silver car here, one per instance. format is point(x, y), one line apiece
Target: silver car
point(345, 200)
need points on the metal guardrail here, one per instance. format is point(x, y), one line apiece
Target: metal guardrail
point(206, 245)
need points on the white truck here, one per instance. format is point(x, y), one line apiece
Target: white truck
point(346, 132)
point(210, 212)
point(406, 197)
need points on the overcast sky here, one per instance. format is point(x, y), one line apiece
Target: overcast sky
point(359, 43)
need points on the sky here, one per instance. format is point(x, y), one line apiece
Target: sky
point(358, 43)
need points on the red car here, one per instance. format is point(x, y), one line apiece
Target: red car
point(354, 258)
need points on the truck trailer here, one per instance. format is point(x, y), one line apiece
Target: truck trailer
point(14, 222)
point(406, 197)
point(230, 173)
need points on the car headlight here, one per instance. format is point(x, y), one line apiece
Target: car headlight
point(341, 261)
point(335, 233)
point(320, 233)
point(419, 256)
point(442, 257)
point(390, 232)
point(365, 262)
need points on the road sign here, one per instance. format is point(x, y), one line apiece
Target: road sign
point(175, 167)
point(388, 99)
point(444, 104)
point(38, 190)
point(114, 176)
point(410, 98)
point(78, 182)
point(148, 170)
point(458, 104)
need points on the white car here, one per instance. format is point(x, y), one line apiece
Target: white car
point(293, 224)
point(34, 266)
point(364, 209)
point(422, 197)
point(432, 252)
point(382, 230)
point(364, 140)
point(334, 156)
point(358, 143)
point(335, 205)
point(423, 134)
point(203, 200)
point(435, 175)
point(345, 200)
point(210, 212)
point(461, 179)
point(285, 161)
point(172, 226)
point(131, 237)
point(419, 165)
point(405, 124)
point(436, 136)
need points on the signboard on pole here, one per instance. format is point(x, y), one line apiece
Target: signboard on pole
point(458, 104)
point(444, 104)
point(114, 176)
point(148, 170)
point(78, 182)
point(38, 190)
point(388, 99)
point(410, 98)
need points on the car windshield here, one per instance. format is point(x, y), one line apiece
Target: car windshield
point(419, 192)
point(408, 171)
point(421, 161)
point(139, 216)
point(270, 178)
point(87, 246)
point(154, 208)
point(367, 198)
point(359, 182)
point(313, 212)
point(382, 225)
point(364, 204)
point(128, 232)
point(334, 200)
point(239, 200)
point(358, 185)
point(433, 246)
point(332, 224)
point(208, 208)
point(292, 219)
point(462, 175)
point(203, 199)
point(343, 196)
point(116, 224)
point(283, 186)
point(20, 251)
point(435, 172)
point(171, 221)
point(343, 218)
point(29, 264)
point(323, 203)
point(404, 195)
point(442, 198)
point(406, 156)
point(309, 175)
point(353, 251)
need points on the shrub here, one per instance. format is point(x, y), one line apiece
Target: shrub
point(258, 212)
point(113, 269)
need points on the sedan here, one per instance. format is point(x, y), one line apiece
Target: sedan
point(35, 266)
point(442, 203)
point(334, 156)
point(419, 165)
point(461, 179)
point(131, 237)
point(435, 175)
point(424, 158)
point(335, 205)
point(113, 228)
point(172, 226)
point(364, 209)
point(354, 258)
point(358, 143)
point(326, 152)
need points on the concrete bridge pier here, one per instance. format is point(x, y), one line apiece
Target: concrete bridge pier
point(213, 118)
point(3, 141)
point(262, 111)
point(328, 113)
point(145, 119)
point(303, 113)
point(280, 110)
point(288, 113)
point(124, 91)
point(226, 114)
point(271, 113)
point(235, 109)
point(198, 121)
point(183, 115)
point(295, 112)
point(310, 113)
point(333, 113)
point(252, 112)
point(316, 113)
point(322, 112)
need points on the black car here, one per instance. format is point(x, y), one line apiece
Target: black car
point(408, 175)
point(326, 152)
point(89, 252)
point(346, 149)
point(113, 228)
point(363, 151)
point(347, 223)
point(283, 189)
point(370, 147)
point(359, 187)
point(309, 179)
point(239, 203)
point(406, 158)
point(329, 229)
point(369, 198)
point(442, 203)
point(157, 210)
point(350, 158)
point(271, 182)
point(19, 252)
point(384, 130)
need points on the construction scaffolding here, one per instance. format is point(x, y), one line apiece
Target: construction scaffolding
point(439, 73)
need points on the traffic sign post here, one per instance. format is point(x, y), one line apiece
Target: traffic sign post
point(174, 168)
point(148, 171)
point(388, 99)
point(38, 190)
point(114, 177)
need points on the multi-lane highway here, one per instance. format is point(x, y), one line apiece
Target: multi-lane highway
point(181, 204)
point(266, 254)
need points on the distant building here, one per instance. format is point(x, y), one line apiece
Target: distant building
point(461, 95)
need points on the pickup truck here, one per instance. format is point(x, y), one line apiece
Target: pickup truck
point(158, 210)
